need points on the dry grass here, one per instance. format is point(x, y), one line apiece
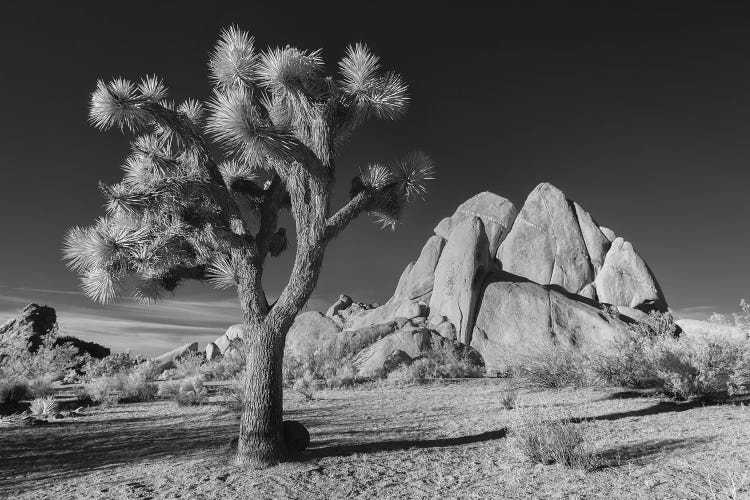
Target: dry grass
point(439, 440)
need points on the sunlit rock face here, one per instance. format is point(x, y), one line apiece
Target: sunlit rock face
point(493, 277)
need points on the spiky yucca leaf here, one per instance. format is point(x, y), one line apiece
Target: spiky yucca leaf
point(411, 172)
point(148, 290)
point(233, 170)
point(289, 69)
point(102, 244)
point(221, 273)
point(376, 176)
point(358, 69)
point(193, 109)
point(124, 200)
point(233, 61)
point(44, 406)
point(389, 98)
point(117, 104)
point(385, 220)
point(152, 89)
point(237, 124)
point(100, 285)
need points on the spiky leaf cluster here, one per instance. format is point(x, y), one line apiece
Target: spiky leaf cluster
point(180, 214)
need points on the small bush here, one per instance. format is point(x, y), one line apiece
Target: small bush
point(305, 387)
point(225, 368)
point(137, 387)
point(41, 386)
point(105, 390)
point(133, 387)
point(189, 391)
point(117, 362)
point(12, 392)
point(44, 406)
point(510, 399)
point(547, 364)
point(188, 365)
point(555, 441)
point(18, 361)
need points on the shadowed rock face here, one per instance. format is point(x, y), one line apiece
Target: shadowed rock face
point(30, 325)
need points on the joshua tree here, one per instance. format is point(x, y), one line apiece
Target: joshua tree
point(180, 213)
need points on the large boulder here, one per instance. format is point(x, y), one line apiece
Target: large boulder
point(413, 342)
point(626, 280)
point(309, 331)
point(29, 326)
point(417, 281)
point(397, 307)
point(545, 244)
point(212, 352)
point(355, 341)
point(518, 313)
point(496, 213)
point(596, 242)
point(460, 273)
point(166, 360)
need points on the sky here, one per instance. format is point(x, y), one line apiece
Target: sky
point(639, 112)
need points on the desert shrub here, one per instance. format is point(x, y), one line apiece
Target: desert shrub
point(12, 392)
point(189, 391)
point(19, 361)
point(304, 386)
point(659, 325)
point(709, 367)
point(44, 406)
point(104, 390)
point(546, 364)
point(552, 440)
point(225, 368)
point(41, 385)
point(188, 365)
point(509, 399)
point(345, 376)
point(137, 386)
point(117, 362)
point(132, 387)
point(444, 360)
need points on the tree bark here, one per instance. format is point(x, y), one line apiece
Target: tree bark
point(261, 439)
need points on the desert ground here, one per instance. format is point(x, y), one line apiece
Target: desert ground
point(436, 440)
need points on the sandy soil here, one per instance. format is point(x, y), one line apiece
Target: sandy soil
point(435, 441)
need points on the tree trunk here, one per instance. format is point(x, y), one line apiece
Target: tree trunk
point(261, 439)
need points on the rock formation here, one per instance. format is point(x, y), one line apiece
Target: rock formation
point(166, 360)
point(30, 325)
point(491, 278)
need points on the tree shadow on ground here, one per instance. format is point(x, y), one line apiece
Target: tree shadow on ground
point(644, 452)
point(343, 450)
point(65, 450)
point(661, 407)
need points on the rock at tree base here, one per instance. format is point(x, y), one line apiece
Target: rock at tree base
point(296, 436)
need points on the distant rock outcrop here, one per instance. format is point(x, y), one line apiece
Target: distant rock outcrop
point(34, 322)
point(166, 360)
point(30, 325)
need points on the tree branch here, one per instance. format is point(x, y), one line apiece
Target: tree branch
point(338, 221)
